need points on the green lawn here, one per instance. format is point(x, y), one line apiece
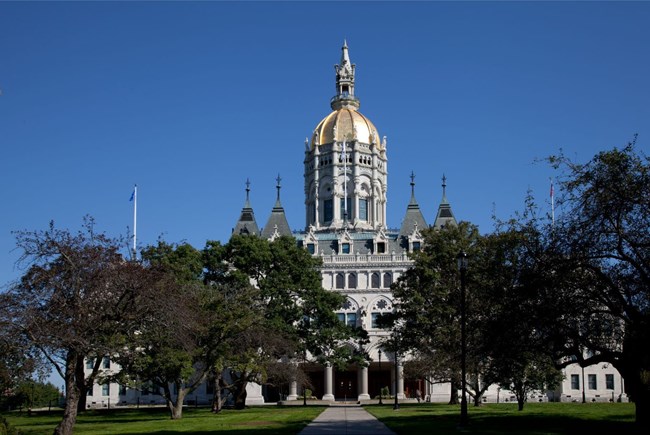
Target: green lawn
point(267, 420)
point(535, 419)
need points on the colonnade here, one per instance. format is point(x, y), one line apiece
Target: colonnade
point(362, 384)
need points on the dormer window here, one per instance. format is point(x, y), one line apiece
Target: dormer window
point(416, 246)
point(381, 247)
point(311, 248)
point(345, 248)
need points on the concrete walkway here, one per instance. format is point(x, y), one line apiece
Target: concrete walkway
point(346, 420)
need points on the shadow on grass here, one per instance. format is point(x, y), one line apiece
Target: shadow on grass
point(422, 421)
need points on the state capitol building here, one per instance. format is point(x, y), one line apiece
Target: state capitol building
point(346, 181)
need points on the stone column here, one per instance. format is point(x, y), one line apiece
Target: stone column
point(329, 383)
point(293, 391)
point(363, 384)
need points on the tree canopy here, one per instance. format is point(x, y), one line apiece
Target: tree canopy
point(76, 301)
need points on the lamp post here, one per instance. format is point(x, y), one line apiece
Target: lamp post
point(380, 401)
point(584, 398)
point(396, 405)
point(462, 267)
point(304, 383)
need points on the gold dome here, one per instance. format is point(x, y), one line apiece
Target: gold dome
point(347, 124)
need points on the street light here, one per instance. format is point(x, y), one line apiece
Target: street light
point(304, 382)
point(379, 352)
point(462, 267)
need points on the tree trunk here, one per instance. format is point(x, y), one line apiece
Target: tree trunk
point(66, 425)
point(453, 398)
point(217, 403)
point(240, 394)
point(642, 404)
point(521, 398)
point(175, 407)
point(80, 380)
point(639, 392)
point(636, 371)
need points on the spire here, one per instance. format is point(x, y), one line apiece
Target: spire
point(445, 216)
point(277, 186)
point(444, 188)
point(277, 225)
point(246, 223)
point(248, 191)
point(345, 56)
point(345, 82)
point(414, 217)
point(413, 188)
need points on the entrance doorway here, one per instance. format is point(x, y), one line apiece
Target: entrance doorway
point(378, 380)
point(345, 385)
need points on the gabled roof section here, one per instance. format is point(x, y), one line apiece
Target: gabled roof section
point(277, 225)
point(445, 216)
point(414, 217)
point(246, 225)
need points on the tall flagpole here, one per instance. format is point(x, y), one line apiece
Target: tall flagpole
point(552, 203)
point(345, 185)
point(135, 219)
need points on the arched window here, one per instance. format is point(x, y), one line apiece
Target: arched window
point(375, 280)
point(380, 307)
point(352, 280)
point(348, 313)
point(340, 281)
point(388, 279)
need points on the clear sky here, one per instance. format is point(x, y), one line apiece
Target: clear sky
point(189, 99)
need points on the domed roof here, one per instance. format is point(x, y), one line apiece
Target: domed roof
point(345, 124)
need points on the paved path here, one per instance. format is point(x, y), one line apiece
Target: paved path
point(346, 420)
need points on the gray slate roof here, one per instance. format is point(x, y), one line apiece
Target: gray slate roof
point(278, 219)
point(246, 223)
point(412, 218)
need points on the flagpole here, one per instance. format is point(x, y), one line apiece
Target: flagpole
point(135, 219)
point(552, 203)
point(345, 185)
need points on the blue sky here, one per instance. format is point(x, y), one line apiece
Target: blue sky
point(189, 99)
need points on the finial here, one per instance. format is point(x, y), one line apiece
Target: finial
point(345, 43)
point(278, 185)
point(412, 183)
point(248, 188)
point(444, 186)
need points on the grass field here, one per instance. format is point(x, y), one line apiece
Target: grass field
point(267, 420)
point(535, 419)
point(410, 419)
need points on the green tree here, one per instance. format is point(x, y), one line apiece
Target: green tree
point(298, 316)
point(18, 360)
point(520, 355)
point(596, 268)
point(77, 300)
point(33, 394)
point(194, 327)
point(427, 317)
